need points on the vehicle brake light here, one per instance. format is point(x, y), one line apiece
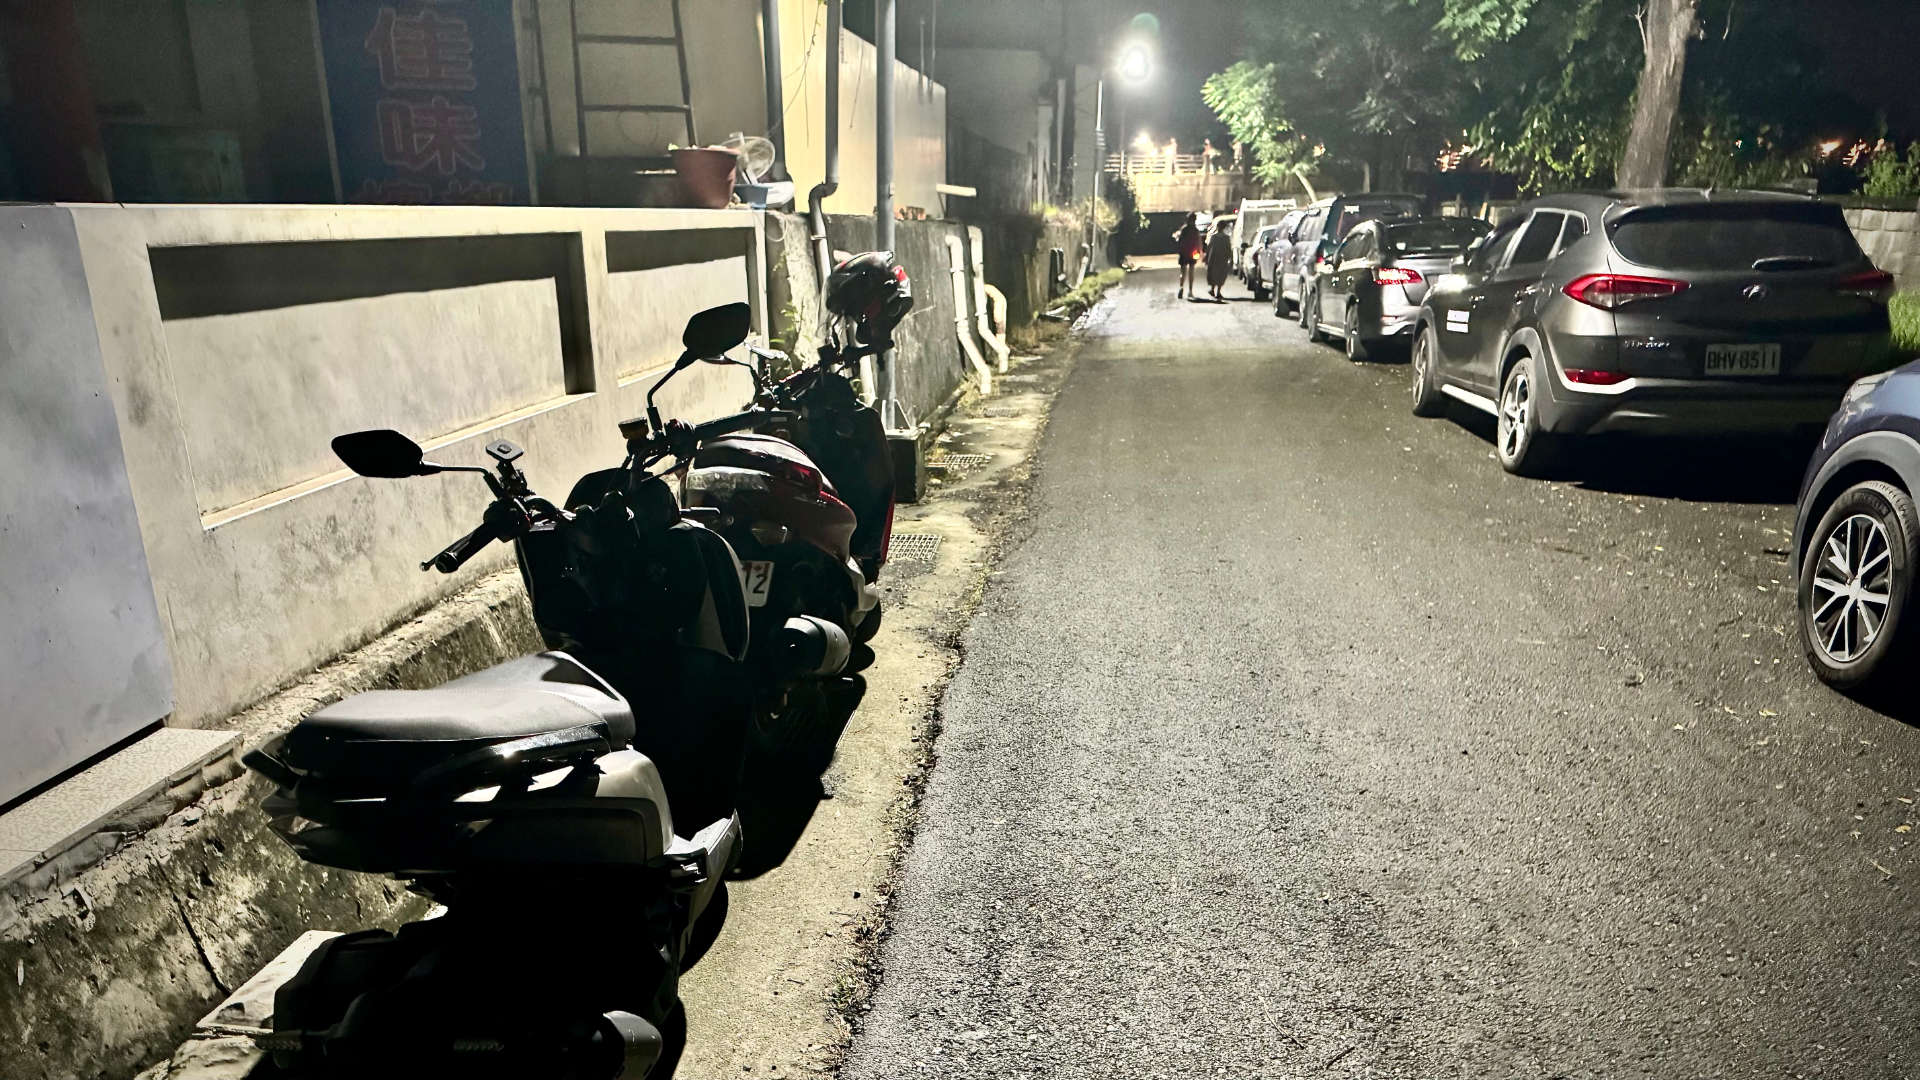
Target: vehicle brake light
point(1612, 292)
point(1874, 285)
point(797, 474)
point(1595, 378)
point(1394, 275)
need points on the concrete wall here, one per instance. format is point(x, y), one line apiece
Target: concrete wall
point(82, 661)
point(996, 93)
point(723, 72)
point(1163, 193)
point(237, 341)
point(1892, 239)
point(920, 124)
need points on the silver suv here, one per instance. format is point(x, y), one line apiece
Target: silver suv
point(1655, 312)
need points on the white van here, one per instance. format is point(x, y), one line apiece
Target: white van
point(1255, 214)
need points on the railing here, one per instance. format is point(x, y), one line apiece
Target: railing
point(1161, 163)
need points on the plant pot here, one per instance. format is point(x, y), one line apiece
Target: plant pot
point(706, 176)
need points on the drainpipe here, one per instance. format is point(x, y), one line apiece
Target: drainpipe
point(776, 99)
point(977, 249)
point(883, 49)
point(957, 271)
point(816, 211)
point(883, 41)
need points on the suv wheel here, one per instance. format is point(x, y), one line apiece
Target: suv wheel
point(1522, 448)
point(1310, 315)
point(1856, 579)
point(1356, 349)
point(1427, 400)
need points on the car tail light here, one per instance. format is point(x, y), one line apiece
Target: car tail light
point(1394, 275)
point(1874, 285)
point(1595, 378)
point(1612, 292)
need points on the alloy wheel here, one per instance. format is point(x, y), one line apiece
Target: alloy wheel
point(1516, 410)
point(1420, 367)
point(1353, 333)
point(1852, 588)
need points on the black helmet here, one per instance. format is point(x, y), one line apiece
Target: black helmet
point(872, 290)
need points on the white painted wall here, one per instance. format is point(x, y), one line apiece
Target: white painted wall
point(267, 559)
point(920, 117)
point(82, 660)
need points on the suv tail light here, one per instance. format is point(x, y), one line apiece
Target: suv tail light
point(1587, 377)
point(1612, 292)
point(1874, 285)
point(1394, 275)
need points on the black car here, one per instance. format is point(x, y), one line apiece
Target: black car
point(1856, 537)
point(1653, 312)
point(1371, 293)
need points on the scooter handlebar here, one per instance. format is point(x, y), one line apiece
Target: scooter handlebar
point(457, 553)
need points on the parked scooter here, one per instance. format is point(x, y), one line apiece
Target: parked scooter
point(807, 504)
point(529, 798)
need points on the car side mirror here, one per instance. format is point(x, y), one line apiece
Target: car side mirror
point(1460, 264)
point(382, 453)
point(715, 330)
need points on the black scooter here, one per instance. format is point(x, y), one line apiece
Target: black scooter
point(578, 847)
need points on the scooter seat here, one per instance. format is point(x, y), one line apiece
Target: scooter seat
point(369, 733)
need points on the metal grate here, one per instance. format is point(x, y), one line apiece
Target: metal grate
point(913, 547)
point(959, 462)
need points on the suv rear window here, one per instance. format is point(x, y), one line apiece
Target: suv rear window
point(1355, 211)
point(1736, 237)
point(1444, 236)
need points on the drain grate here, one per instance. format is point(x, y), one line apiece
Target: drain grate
point(914, 547)
point(959, 462)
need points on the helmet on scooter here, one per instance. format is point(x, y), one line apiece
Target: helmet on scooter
point(871, 289)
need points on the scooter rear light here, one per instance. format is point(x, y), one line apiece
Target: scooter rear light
point(1396, 275)
point(1595, 378)
point(797, 474)
point(886, 534)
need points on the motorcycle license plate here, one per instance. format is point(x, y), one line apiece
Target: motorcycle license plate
point(757, 579)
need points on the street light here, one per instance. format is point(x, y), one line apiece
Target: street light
point(1135, 65)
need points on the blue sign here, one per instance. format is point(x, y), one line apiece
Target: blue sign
point(425, 97)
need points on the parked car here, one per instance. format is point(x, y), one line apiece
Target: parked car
point(1856, 538)
point(1319, 231)
point(1371, 294)
point(1255, 215)
point(1657, 312)
point(1254, 274)
point(1265, 259)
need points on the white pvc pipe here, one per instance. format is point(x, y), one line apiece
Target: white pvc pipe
point(957, 270)
point(977, 248)
point(997, 301)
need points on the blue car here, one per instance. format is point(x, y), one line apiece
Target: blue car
point(1856, 538)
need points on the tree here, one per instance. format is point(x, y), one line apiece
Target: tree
point(1246, 98)
point(1360, 83)
point(1666, 28)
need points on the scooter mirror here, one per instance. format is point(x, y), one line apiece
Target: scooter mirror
point(715, 330)
point(383, 453)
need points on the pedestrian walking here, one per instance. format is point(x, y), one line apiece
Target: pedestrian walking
point(1188, 243)
point(1219, 258)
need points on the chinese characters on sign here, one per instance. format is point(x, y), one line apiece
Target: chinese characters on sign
point(425, 98)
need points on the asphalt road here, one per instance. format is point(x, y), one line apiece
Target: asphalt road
point(1294, 738)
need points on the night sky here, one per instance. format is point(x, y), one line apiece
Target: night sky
point(1872, 44)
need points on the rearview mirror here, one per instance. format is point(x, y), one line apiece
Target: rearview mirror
point(383, 453)
point(1459, 264)
point(716, 330)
